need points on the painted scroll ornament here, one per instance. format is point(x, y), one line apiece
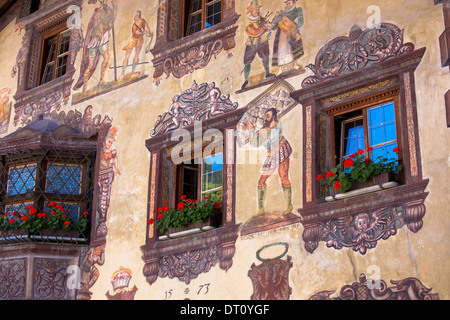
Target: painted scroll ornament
point(198, 103)
point(368, 289)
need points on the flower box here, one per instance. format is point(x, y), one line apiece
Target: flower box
point(14, 236)
point(59, 235)
point(208, 224)
point(382, 181)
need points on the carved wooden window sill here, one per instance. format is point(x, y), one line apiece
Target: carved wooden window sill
point(185, 233)
point(336, 88)
point(179, 56)
point(164, 258)
point(362, 191)
point(377, 215)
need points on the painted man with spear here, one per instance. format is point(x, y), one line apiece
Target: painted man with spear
point(138, 30)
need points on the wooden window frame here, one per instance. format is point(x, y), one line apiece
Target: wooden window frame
point(363, 105)
point(192, 156)
point(171, 44)
point(43, 62)
point(38, 196)
point(37, 27)
point(187, 14)
point(323, 97)
point(222, 238)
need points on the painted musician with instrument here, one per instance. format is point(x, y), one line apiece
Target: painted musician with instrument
point(288, 44)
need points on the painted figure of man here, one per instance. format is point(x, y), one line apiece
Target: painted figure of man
point(288, 44)
point(96, 43)
point(257, 42)
point(4, 101)
point(278, 151)
point(138, 30)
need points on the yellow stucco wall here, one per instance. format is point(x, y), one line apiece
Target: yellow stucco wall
point(134, 109)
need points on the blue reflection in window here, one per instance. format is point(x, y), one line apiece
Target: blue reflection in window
point(382, 131)
point(353, 136)
point(21, 179)
point(73, 209)
point(16, 208)
point(63, 179)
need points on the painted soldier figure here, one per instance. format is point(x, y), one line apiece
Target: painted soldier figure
point(96, 43)
point(257, 42)
point(139, 28)
point(278, 153)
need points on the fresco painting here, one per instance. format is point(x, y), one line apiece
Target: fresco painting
point(5, 109)
point(100, 47)
point(366, 64)
point(261, 127)
point(287, 44)
point(270, 279)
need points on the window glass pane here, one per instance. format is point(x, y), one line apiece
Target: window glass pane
point(195, 23)
point(376, 135)
point(213, 14)
point(382, 128)
point(21, 179)
point(374, 116)
point(390, 154)
point(48, 73)
point(196, 5)
point(63, 179)
point(384, 151)
point(16, 208)
point(52, 51)
point(389, 133)
point(389, 112)
point(212, 172)
point(73, 209)
point(64, 41)
point(61, 66)
point(353, 136)
point(190, 181)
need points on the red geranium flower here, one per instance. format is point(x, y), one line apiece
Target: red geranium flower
point(151, 221)
point(348, 163)
point(330, 174)
point(24, 218)
point(319, 177)
point(159, 216)
point(67, 223)
point(180, 206)
point(396, 149)
point(337, 185)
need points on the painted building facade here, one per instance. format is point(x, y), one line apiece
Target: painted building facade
point(116, 111)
